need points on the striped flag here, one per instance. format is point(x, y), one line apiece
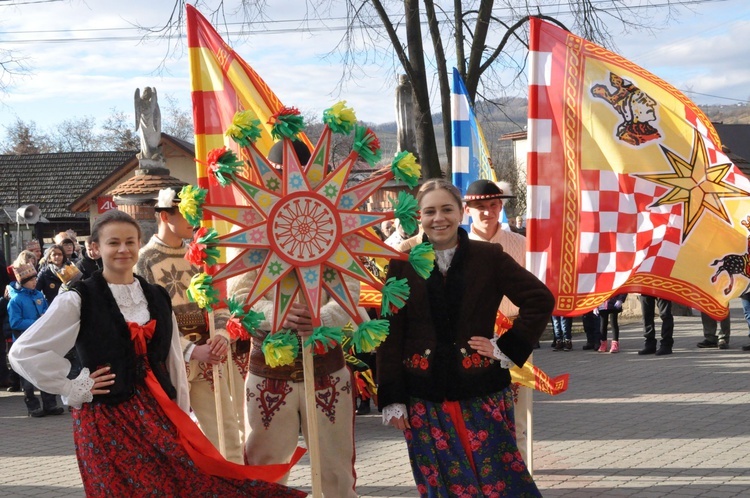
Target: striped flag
point(470, 157)
point(222, 83)
point(629, 190)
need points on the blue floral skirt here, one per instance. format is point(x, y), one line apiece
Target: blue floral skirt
point(467, 448)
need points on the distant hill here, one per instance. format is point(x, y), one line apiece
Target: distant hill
point(508, 115)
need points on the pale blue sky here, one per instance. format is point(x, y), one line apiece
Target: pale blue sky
point(706, 50)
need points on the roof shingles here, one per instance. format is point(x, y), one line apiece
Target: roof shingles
point(52, 181)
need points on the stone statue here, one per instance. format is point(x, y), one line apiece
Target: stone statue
point(148, 123)
point(406, 126)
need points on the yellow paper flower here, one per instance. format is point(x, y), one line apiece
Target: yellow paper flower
point(339, 118)
point(406, 168)
point(280, 349)
point(245, 128)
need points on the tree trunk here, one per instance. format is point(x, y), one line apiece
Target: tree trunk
point(477, 48)
point(444, 81)
point(428, 154)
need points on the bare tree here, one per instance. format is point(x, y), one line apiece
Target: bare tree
point(178, 122)
point(24, 138)
point(485, 37)
point(76, 135)
point(119, 133)
point(11, 66)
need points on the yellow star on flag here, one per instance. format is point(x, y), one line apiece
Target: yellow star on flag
point(697, 184)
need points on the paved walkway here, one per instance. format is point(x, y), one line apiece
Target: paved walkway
point(672, 426)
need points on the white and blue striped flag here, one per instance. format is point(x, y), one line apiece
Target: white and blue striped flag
point(471, 158)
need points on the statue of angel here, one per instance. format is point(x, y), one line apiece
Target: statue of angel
point(148, 123)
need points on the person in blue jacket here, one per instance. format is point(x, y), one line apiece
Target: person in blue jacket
point(26, 305)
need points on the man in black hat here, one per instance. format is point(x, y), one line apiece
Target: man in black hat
point(484, 203)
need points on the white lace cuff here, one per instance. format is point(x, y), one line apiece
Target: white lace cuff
point(80, 391)
point(505, 362)
point(395, 410)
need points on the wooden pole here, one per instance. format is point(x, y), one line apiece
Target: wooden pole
point(313, 448)
point(217, 391)
point(312, 421)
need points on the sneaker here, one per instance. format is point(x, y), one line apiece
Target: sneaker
point(704, 344)
point(558, 346)
point(589, 346)
point(746, 347)
point(723, 344)
point(603, 346)
point(567, 345)
point(615, 348)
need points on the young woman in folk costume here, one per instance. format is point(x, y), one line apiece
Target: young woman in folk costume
point(454, 405)
point(132, 433)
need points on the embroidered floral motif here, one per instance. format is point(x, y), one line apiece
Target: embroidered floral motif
point(242, 362)
point(419, 361)
point(206, 372)
point(271, 396)
point(326, 395)
point(475, 360)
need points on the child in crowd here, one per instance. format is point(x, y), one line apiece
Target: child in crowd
point(610, 309)
point(26, 306)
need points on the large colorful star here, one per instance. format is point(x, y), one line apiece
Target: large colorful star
point(697, 184)
point(302, 230)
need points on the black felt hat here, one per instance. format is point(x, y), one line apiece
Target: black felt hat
point(481, 190)
point(275, 155)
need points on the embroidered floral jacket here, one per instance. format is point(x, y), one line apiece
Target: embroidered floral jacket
point(426, 354)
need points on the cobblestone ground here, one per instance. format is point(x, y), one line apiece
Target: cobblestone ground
point(629, 425)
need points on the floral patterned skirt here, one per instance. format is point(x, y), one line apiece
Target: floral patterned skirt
point(132, 449)
point(467, 448)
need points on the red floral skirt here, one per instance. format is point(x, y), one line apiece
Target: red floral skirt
point(133, 449)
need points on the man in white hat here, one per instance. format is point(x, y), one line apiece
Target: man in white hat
point(162, 261)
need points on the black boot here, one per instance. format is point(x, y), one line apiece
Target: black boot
point(648, 349)
point(364, 407)
point(49, 402)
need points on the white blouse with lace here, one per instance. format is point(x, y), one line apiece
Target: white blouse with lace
point(39, 353)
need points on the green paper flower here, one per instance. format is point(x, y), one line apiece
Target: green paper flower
point(422, 259)
point(323, 339)
point(369, 335)
point(367, 145)
point(395, 293)
point(286, 123)
point(406, 208)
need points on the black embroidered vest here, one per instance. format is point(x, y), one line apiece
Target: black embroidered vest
point(104, 338)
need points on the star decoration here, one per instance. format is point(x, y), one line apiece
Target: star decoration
point(302, 230)
point(697, 184)
point(172, 279)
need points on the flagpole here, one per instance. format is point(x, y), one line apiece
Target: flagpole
point(217, 391)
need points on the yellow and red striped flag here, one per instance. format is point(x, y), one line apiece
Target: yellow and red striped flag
point(222, 83)
point(529, 375)
point(629, 189)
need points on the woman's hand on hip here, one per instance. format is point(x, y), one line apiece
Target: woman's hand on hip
point(102, 380)
point(399, 423)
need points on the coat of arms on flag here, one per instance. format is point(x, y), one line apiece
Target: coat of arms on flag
point(628, 186)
